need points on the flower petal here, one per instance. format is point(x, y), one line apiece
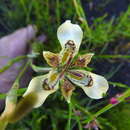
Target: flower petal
point(68, 31)
point(68, 53)
point(78, 77)
point(67, 88)
point(53, 78)
point(37, 86)
point(83, 60)
point(51, 58)
point(99, 87)
point(93, 85)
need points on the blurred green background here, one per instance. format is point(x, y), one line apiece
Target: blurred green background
point(106, 26)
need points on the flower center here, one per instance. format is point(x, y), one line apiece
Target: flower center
point(67, 54)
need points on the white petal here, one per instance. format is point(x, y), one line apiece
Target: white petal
point(36, 86)
point(93, 85)
point(68, 31)
point(99, 87)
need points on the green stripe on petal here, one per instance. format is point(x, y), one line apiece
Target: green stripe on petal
point(36, 86)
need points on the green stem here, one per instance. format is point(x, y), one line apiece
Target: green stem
point(22, 2)
point(79, 124)
point(78, 120)
point(81, 15)
point(109, 106)
point(23, 71)
point(19, 93)
point(83, 110)
point(40, 69)
point(58, 11)
point(69, 117)
point(12, 94)
point(117, 84)
point(11, 62)
point(113, 56)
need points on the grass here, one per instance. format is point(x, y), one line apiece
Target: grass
point(47, 16)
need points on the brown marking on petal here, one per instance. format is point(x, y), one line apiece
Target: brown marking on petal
point(90, 82)
point(67, 89)
point(45, 85)
point(50, 82)
point(79, 63)
point(83, 60)
point(70, 44)
point(52, 58)
point(67, 86)
point(54, 61)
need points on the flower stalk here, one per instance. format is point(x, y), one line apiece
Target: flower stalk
point(109, 106)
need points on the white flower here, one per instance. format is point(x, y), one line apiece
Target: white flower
point(68, 31)
point(93, 85)
point(61, 75)
point(36, 86)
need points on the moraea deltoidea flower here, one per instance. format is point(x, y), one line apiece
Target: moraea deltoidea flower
point(66, 74)
point(63, 74)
